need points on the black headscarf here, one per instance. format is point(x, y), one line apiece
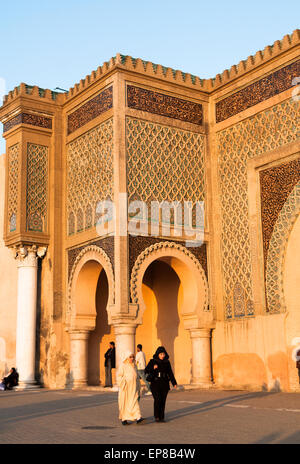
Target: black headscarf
point(161, 349)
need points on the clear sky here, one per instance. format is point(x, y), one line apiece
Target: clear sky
point(57, 43)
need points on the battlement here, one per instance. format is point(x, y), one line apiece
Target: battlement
point(150, 69)
point(252, 62)
point(34, 91)
point(185, 79)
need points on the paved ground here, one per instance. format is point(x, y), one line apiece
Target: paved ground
point(195, 416)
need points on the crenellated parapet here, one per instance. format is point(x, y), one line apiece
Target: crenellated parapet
point(24, 90)
point(252, 62)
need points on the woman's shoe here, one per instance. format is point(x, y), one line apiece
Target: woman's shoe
point(124, 423)
point(139, 420)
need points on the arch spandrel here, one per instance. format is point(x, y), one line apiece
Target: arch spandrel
point(277, 252)
point(195, 303)
point(81, 314)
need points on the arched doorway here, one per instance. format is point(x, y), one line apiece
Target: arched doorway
point(162, 321)
point(170, 288)
point(91, 291)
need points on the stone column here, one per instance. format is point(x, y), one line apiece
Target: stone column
point(125, 340)
point(26, 313)
point(79, 358)
point(201, 362)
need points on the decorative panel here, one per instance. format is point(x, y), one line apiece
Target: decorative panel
point(90, 110)
point(89, 176)
point(265, 88)
point(37, 187)
point(107, 244)
point(280, 204)
point(26, 118)
point(276, 185)
point(13, 187)
point(137, 244)
point(164, 105)
point(250, 138)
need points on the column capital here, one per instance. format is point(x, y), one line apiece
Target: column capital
point(79, 334)
point(117, 317)
point(26, 255)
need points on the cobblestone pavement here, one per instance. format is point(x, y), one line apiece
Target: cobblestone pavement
point(195, 416)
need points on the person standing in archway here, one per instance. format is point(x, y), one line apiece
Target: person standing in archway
point(110, 363)
point(159, 373)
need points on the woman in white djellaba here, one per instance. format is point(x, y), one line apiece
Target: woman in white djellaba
point(129, 390)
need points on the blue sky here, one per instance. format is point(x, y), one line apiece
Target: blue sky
point(56, 43)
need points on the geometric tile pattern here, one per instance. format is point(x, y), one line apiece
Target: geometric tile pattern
point(164, 163)
point(37, 187)
point(252, 137)
point(89, 176)
point(13, 175)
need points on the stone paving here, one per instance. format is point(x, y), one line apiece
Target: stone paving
point(193, 417)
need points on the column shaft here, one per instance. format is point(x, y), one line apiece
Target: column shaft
point(79, 358)
point(26, 317)
point(201, 365)
point(125, 340)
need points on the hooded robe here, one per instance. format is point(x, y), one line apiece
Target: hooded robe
point(129, 390)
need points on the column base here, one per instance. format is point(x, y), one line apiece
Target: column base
point(79, 385)
point(202, 383)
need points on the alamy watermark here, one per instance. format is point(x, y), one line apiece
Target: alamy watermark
point(176, 219)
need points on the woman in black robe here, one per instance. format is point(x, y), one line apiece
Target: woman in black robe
point(11, 380)
point(159, 373)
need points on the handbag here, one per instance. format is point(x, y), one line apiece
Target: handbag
point(150, 378)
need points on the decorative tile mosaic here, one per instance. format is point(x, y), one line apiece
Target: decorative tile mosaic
point(265, 88)
point(26, 118)
point(137, 244)
point(274, 286)
point(252, 137)
point(280, 199)
point(90, 110)
point(107, 244)
point(164, 105)
point(276, 184)
point(13, 189)
point(37, 187)
point(164, 163)
point(89, 176)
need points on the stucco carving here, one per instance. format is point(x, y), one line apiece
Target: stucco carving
point(190, 272)
point(277, 251)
